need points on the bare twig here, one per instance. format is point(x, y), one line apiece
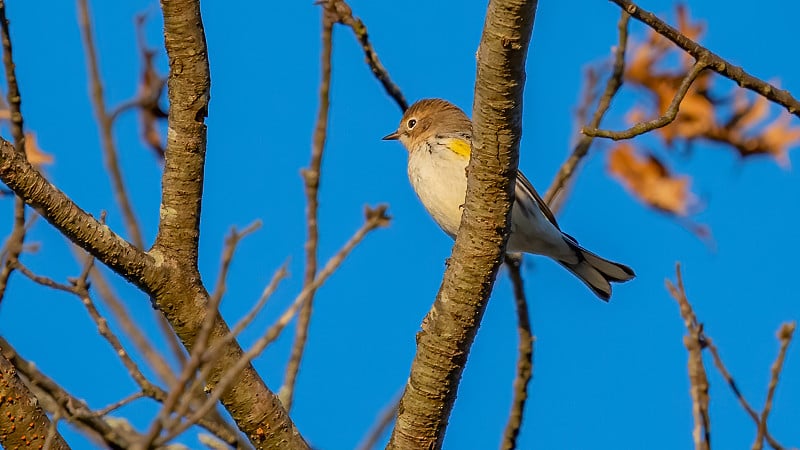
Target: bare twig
point(81, 289)
point(785, 336)
point(669, 115)
point(382, 422)
point(553, 195)
point(311, 178)
point(229, 250)
point(119, 404)
point(16, 240)
point(694, 342)
point(277, 277)
point(375, 218)
point(715, 62)
point(345, 17)
point(105, 125)
point(52, 432)
point(732, 384)
point(43, 280)
point(525, 357)
point(122, 316)
point(171, 403)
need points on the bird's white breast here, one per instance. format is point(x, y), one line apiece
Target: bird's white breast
point(439, 178)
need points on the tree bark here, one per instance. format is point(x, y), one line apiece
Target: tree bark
point(23, 424)
point(451, 325)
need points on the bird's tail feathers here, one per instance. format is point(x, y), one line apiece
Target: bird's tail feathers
point(597, 272)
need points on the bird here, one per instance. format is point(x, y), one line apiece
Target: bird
point(438, 137)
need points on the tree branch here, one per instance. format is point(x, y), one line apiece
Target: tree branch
point(168, 273)
point(76, 224)
point(255, 409)
point(345, 16)
point(567, 170)
point(785, 336)
point(188, 90)
point(525, 358)
point(735, 389)
point(23, 423)
point(382, 422)
point(450, 327)
point(311, 177)
point(375, 218)
point(698, 380)
point(715, 62)
point(105, 123)
point(668, 117)
point(16, 240)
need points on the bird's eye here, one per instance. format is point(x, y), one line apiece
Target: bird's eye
point(411, 123)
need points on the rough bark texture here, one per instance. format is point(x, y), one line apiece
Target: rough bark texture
point(450, 327)
point(23, 424)
point(255, 409)
point(168, 272)
point(75, 223)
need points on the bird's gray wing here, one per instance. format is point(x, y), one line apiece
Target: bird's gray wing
point(530, 192)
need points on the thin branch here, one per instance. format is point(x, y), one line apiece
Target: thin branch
point(615, 80)
point(345, 17)
point(277, 277)
point(52, 432)
point(119, 404)
point(122, 317)
point(375, 218)
point(81, 289)
point(43, 280)
point(311, 178)
point(73, 222)
point(785, 336)
point(16, 240)
point(715, 63)
point(732, 384)
point(694, 342)
point(231, 243)
point(382, 422)
point(187, 373)
point(669, 115)
point(105, 124)
point(525, 357)
point(174, 285)
point(449, 328)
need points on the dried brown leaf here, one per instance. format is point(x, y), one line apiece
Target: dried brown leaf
point(35, 154)
point(780, 136)
point(650, 181)
point(748, 113)
point(150, 87)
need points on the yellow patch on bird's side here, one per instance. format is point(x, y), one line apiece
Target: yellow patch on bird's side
point(460, 147)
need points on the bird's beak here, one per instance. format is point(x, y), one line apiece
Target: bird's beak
point(393, 136)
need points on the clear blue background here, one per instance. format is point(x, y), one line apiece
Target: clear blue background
point(606, 375)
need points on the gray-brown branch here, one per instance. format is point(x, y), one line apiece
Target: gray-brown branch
point(715, 62)
point(451, 325)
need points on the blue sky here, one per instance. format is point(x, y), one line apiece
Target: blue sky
point(606, 375)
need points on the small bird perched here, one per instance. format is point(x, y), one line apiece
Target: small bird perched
point(438, 137)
